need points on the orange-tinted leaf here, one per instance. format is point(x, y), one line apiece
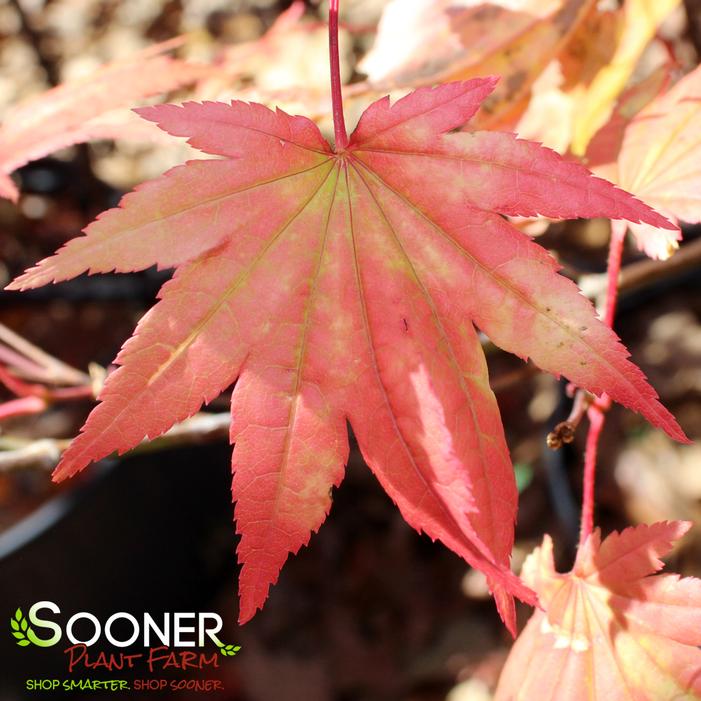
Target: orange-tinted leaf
point(562, 87)
point(68, 114)
point(584, 84)
point(609, 630)
point(604, 148)
point(424, 41)
point(344, 287)
point(641, 20)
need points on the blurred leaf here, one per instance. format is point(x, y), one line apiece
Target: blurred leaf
point(524, 475)
point(583, 86)
point(563, 85)
point(641, 20)
point(425, 41)
point(68, 114)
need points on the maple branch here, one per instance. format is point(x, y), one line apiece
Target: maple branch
point(596, 412)
point(339, 124)
point(36, 378)
point(644, 273)
point(565, 430)
point(21, 361)
point(45, 453)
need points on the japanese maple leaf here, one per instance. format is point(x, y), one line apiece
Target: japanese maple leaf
point(609, 631)
point(343, 286)
point(70, 113)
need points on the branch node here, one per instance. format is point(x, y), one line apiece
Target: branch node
point(561, 434)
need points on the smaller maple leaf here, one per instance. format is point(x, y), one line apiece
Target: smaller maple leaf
point(609, 631)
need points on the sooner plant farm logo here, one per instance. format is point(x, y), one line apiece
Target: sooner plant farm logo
point(170, 642)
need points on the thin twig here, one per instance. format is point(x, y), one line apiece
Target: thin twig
point(24, 389)
point(51, 369)
point(45, 453)
point(26, 368)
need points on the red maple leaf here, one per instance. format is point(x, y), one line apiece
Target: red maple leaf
point(609, 631)
point(343, 286)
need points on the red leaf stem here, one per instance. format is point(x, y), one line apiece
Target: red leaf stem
point(596, 413)
point(339, 124)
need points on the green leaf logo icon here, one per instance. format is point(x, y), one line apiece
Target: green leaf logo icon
point(228, 650)
point(20, 629)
